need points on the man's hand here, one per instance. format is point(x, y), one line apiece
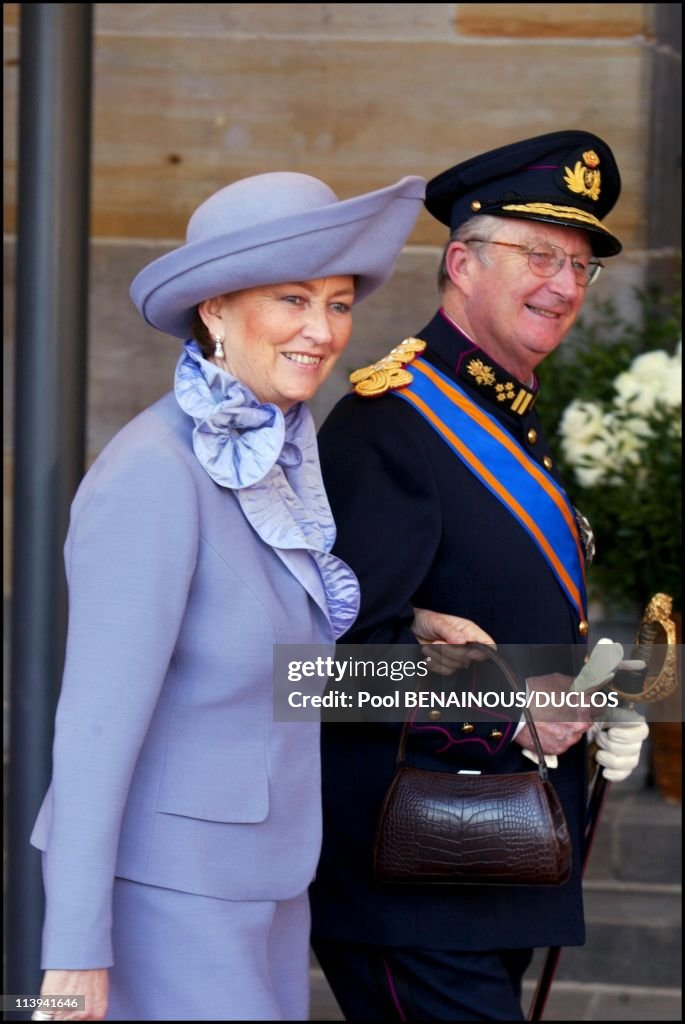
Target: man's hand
point(555, 736)
point(440, 635)
point(619, 747)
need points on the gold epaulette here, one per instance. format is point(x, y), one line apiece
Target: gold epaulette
point(388, 373)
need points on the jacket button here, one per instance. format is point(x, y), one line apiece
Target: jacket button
point(583, 627)
point(435, 716)
point(532, 436)
point(467, 727)
point(496, 734)
point(547, 462)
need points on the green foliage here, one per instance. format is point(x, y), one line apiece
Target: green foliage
point(634, 506)
point(596, 350)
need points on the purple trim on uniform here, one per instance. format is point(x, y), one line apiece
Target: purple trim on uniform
point(469, 351)
point(468, 354)
point(451, 742)
point(533, 386)
point(393, 990)
point(542, 167)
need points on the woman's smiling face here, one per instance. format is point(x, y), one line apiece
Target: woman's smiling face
point(283, 340)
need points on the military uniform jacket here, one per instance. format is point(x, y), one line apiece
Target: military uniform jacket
point(420, 530)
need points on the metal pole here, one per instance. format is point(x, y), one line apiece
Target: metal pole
point(50, 384)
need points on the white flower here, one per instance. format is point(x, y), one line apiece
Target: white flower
point(588, 477)
point(595, 462)
point(628, 436)
point(601, 442)
point(581, 418)
point(580, 425)
point(673, 391)
point(645, 383)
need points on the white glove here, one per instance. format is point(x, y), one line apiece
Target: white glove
point(599, 666)
point(619, 747)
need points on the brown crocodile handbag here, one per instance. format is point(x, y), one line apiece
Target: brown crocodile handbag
point(443, 827)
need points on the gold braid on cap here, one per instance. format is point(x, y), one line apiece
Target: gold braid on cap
point(388, 373)
point(553, 210)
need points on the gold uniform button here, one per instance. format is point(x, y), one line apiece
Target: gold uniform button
point(435, 716)
point(547, 462)
point(532, 436)
point(467, 727)
point(583, 627)
point(496, 734)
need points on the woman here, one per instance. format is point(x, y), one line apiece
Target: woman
point(182, 825)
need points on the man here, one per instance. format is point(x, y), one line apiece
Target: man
point(446, 498)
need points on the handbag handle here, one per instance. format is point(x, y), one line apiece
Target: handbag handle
point(510, 677)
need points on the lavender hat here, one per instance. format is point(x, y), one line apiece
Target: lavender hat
point(272, 228)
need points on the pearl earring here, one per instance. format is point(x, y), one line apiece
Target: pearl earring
point(218, 347)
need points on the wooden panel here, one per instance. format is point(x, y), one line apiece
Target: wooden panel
point(174, 122)
point(220, 20)
point(559, 21)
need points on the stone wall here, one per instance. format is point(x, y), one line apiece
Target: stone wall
point(190, 97)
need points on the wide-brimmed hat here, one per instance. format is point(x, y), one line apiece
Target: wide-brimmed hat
point(272, 228)
point(567, 177)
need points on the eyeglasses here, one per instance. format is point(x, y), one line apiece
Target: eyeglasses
point(546, 260)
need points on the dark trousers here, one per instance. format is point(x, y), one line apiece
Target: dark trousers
point(396, 984)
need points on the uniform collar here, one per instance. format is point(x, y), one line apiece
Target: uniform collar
point(474, 367)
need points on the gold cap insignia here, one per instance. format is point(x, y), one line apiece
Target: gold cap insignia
point(388, 373)
point(584, 179)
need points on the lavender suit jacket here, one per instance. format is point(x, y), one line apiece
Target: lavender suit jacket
point(168, 766)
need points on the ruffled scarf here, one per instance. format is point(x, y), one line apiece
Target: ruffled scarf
point(271, 461)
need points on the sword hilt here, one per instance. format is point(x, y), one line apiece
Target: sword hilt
point(630, 682)
point(655, 645)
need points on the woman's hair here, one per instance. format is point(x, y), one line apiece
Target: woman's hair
point(202, 336)
point(482, 225)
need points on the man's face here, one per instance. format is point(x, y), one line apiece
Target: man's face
point(517, 316)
